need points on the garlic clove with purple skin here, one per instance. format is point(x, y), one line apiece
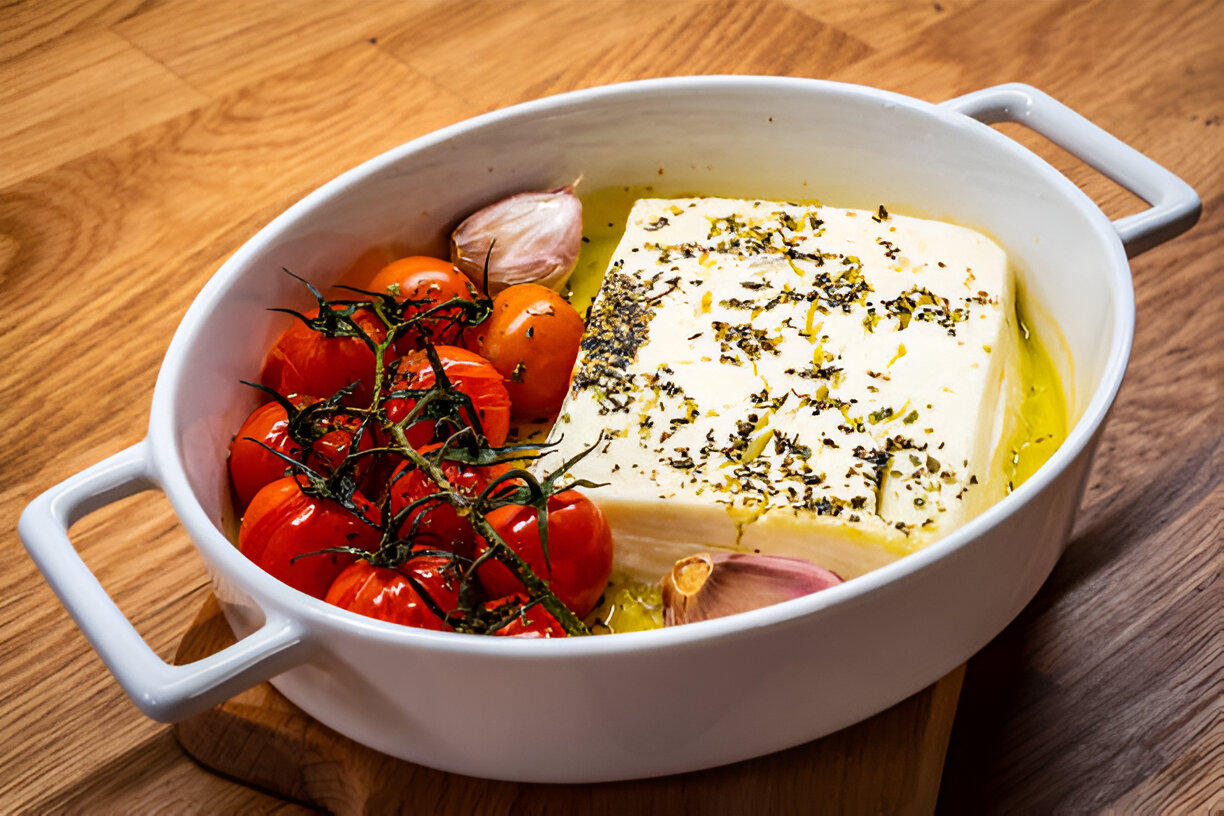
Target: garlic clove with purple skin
point(705, 585)
point(535, 238)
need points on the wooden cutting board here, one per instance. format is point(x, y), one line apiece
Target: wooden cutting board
point(890, 763)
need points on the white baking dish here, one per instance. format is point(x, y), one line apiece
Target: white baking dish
point(651, 703)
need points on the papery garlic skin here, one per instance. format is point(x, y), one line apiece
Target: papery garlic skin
point(705, 585)
point(535, 238)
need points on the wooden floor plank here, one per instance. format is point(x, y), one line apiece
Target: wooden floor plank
point(86, 91)
point(884, 25)
point(152, 773)
point(30, 24)
point(235, 43)
point(1189, 784)
point(611, 41)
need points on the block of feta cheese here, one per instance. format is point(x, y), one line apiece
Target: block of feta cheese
point(837, 385)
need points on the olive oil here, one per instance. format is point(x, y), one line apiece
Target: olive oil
point(627, 605)
point(1043, 413)
point(604, 215)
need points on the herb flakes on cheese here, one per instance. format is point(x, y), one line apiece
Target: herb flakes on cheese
point(793, 379)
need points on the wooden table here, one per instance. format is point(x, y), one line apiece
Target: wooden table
point(142, 142)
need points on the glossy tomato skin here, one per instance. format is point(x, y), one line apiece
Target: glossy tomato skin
point(436, 576)
point(251, 465)
point(283, 522)
point(389, 594)
point(438, 526)
point(382, 593)
point(420, 277)
point(536, 622)
point(469, 373)
point(579, 550)
point(532, 339)
point(305, 361)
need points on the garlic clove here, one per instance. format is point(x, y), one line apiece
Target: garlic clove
point(535, 238)
point(705, 586)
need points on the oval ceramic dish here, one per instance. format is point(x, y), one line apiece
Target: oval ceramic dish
point(660, 702)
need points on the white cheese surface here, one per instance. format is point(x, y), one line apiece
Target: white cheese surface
point(832, 384)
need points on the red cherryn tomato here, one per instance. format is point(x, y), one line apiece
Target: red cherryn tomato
point(283, 522)
point(252, 465)
point(438, 525)
point(306, 361)
point(579, 550)
point(467, 372)
point(535, 622)
point(390, 595)
point(531, 338)
point(433, 281)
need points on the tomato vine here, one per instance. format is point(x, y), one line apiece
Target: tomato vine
point(459, 437)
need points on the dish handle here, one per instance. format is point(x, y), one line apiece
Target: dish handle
point(161, 690)
point(1175, 207)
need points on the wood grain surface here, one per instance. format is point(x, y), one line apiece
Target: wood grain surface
point(142, 141)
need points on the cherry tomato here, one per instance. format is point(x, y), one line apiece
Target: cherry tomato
point(438, 577)
point(531, 338)
point(305, 361)
point(536, 622)
point(579, 550)
point(438, 526)
point(469, 373)
point(251, 465)
point(388, 594)
point(433, 281)
point(283, 522)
